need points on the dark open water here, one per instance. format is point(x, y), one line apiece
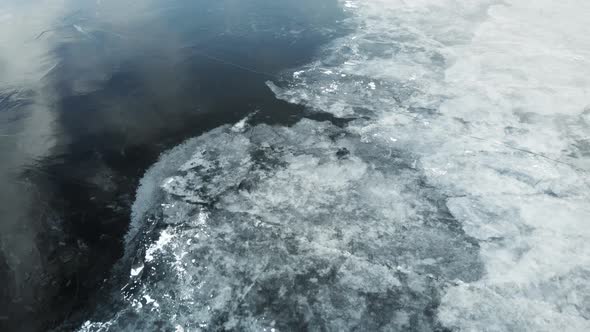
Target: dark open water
point(108, 86)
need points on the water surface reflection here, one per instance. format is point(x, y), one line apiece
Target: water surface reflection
point(91, 92)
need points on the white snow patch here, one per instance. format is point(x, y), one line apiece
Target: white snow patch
point(136, 271)
point(165, 237)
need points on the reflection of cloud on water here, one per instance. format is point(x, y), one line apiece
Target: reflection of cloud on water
point(26, 134)
point(75, 77)
point(25, 59)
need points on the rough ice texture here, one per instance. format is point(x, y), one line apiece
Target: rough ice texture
point(493, 100)
point(458, 197)
point(292, 228)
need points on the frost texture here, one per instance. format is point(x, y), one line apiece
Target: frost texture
point(292, 228)
point(457, 197)
point(493, 101)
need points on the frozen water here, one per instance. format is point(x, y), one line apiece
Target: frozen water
point(492, 99)
point(290, 228)
point(456, 198)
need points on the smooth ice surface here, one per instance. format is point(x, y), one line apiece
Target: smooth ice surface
point(457, 197)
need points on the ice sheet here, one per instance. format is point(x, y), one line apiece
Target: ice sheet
point(288, 228)
point(456, 198)
point(494, 101)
